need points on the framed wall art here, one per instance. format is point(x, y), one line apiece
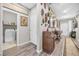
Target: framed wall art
point(24, 21)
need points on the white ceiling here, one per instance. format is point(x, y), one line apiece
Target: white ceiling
point(62, 10)
point(28, 5)
point(65, 10)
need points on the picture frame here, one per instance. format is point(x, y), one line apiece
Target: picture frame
point(24, 21)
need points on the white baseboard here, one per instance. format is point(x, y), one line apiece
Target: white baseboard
point(39, 51)
point(1, 54)
point(23, 43)
point(33, 43)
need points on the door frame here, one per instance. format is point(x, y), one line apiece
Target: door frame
point(9, 10)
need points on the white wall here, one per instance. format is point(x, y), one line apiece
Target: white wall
point(22, 32)
point(33, 25)
point(77, 30)
point(40, 28)
point(70, 26)
point(1, 35)
point(77, 18)
point(10, 35)
point(16, 7)
point(9, 17)
point(0, 29)
point(77, 34)
point(66, 27)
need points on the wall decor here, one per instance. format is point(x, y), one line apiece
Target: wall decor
point(42, 12)
point(41, 3)
point(45, 5)
point(48, 22)
point(45, 24)
point(43, 20)
point(46, 17)
point(24, 21)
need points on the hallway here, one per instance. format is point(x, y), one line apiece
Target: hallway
point(71, 49)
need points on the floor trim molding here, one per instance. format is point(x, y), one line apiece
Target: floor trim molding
point(39, 51)
point(23, 43)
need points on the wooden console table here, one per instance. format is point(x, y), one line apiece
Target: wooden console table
point(48, 42)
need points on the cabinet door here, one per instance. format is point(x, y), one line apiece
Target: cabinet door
point(45, 40)
point(48, 42)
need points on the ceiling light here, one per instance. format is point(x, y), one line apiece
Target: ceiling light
point(65, 11)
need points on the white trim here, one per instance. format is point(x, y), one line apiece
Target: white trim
point(38, 51)
point(18, 30)
point(1, 38)
point(23, 43)
point(33, 43)
point(18, 17)
point(9, 47)
point(8, 10)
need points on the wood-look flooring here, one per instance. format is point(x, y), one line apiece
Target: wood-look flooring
point(71, 49)
point(30, 50)
point(25, 50)
point(8, 45)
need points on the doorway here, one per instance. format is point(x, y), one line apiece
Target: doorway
point(9, 29)
point(65, 28)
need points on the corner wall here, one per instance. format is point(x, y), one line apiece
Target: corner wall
point(40, 27)
point(22, 31)
point(33, 25)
